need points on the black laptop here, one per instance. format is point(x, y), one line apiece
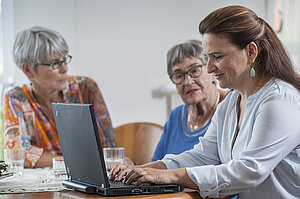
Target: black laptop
point(81, 146)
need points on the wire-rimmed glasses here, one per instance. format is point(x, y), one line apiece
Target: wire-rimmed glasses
point(55, 64)
point(193, 72)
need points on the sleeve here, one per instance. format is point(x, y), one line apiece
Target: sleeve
point(274, 135)
point(15, 132)
point(94, 96)
point(160, 148)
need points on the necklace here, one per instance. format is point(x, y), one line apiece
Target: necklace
point(196, 126)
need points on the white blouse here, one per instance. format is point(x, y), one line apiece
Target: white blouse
point(265, 160)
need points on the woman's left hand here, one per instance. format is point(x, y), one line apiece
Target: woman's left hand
point(157, 176)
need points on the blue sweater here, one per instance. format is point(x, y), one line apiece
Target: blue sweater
point(176, 137)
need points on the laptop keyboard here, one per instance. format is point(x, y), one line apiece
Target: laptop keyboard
point(121, 184)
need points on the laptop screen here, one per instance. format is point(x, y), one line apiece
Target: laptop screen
point(80, 142)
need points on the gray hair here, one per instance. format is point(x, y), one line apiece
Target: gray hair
point(37, 44)
point(188, 49)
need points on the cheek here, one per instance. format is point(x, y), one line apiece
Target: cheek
point(179, 90)
point(222, 65)
point(204, 80)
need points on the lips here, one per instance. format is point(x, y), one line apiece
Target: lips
point(191, 91)
point(218, 76)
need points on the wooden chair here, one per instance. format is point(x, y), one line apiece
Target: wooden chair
point(139, 140)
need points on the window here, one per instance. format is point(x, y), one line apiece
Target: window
point(290, 34)
point(1, 72)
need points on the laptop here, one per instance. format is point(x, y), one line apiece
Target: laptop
point(81, 147)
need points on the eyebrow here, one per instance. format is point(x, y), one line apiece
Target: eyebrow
point(190, 66)
point(194, 64)
point(213, 53)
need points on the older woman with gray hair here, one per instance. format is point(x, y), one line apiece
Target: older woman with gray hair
point(42, 54)
point(198, 91)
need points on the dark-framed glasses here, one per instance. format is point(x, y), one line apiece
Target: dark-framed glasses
point(193, 72)
point(56, 63)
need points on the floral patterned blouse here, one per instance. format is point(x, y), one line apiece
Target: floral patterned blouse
point(26, 125)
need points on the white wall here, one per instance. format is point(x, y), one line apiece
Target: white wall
point(120, 44)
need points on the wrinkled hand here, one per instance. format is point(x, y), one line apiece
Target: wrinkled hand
point(128, 162)
point(138, 175)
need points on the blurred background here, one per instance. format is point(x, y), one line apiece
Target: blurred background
point(122, 44)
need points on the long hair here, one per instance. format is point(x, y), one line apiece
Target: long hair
point(241, 26)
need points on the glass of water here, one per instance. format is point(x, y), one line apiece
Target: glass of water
point(15, 158)
point(59, 169)
point(113, 156)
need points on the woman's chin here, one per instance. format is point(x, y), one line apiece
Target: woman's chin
point(192, 101)
point(62, 86)
point(222, 84)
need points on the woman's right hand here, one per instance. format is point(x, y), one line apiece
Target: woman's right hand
point(119, 171)
point(135, 172)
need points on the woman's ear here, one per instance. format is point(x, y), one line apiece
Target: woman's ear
point(28, 70)
point(252, 51)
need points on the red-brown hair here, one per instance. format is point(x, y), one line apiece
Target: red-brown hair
point(241, 26)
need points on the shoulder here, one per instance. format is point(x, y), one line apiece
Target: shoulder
point(177, 110)
point(279, 91)
point(285, 89)
point(15, 93)
point(279, 94)
point(83, 82)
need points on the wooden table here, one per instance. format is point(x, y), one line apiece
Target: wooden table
point(187, 194)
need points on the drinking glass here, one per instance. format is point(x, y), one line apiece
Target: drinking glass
point(113, 156)
point(59, 168)
point(15, 158)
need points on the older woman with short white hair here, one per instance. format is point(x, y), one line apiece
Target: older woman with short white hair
point(42, 54)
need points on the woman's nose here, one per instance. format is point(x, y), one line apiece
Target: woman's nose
point(64, 68)
point(210, 66)
point(188, 79)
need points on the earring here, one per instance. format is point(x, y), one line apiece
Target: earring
point(252, 72)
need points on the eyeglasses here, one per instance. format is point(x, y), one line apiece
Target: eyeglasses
point(55, 64)
point(193, 72)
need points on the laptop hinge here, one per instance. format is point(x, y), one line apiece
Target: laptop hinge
point(79, 187)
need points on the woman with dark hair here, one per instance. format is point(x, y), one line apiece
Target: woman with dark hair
point(252, 146)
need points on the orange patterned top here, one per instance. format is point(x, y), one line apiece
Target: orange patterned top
point(26, 125)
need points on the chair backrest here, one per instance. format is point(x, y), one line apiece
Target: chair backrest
point(139, 140)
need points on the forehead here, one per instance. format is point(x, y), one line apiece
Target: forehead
point(186, 63)
point(213, 44)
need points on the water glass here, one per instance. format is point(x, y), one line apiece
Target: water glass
point(15, 158)
point(113, 156)
point(59, 169)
